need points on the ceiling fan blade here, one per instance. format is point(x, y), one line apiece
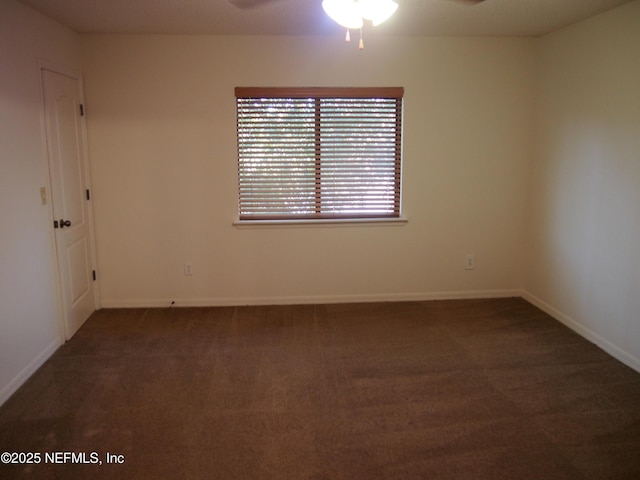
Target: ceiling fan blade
point(245, 4)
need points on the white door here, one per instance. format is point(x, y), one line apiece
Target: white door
point(69, 197)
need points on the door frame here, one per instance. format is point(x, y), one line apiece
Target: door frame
point(57, 275)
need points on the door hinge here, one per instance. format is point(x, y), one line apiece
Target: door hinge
point(88, 194)
point(94, 275)
point(81, 110)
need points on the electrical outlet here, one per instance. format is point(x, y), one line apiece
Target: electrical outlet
point(188, 268)
point(470, 262)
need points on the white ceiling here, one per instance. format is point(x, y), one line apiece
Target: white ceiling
point(306, 17)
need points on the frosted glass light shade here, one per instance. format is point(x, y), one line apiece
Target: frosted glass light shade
point(377, 10)
point(350, 13)
point(344, 12)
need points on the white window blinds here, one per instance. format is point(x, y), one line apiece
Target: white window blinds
point(314, 153)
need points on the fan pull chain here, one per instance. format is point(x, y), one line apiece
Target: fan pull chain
point(361, 45)
point(347, 38)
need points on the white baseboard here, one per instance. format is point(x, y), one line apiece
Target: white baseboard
point(305, 300)
point(29, 370)
point(581, 330)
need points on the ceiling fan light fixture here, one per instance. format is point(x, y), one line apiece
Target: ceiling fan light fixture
point(377, 11)
point(352, 13)
point(344, 12)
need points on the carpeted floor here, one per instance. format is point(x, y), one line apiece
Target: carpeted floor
point(473, 389)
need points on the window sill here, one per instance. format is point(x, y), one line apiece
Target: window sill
point(362, 222)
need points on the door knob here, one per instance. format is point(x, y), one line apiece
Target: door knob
point(65, 223)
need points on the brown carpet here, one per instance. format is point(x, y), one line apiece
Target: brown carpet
point(473, 389)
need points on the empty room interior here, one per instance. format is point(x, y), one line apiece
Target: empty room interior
point(518, 217)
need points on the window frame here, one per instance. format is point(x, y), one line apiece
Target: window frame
point(316, 94)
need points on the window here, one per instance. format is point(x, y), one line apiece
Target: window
point(319, 153)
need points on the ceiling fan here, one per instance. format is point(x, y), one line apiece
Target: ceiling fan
point(349, 13)
point(246, 4)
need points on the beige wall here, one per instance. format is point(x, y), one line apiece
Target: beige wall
point(28, 320)
point(163, 152)
point(584, 215)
